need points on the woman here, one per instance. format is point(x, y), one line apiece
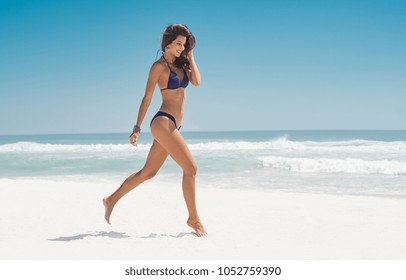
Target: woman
point(172, 72)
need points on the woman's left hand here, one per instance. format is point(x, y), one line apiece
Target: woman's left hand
point(190, 54)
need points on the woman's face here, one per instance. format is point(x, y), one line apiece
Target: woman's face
point(177, 46)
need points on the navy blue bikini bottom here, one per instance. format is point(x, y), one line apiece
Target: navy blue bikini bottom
point(169, 116)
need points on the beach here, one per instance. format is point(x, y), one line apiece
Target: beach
point(282, 195)
point(64, 220)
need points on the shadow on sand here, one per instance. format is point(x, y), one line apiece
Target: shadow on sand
point(180, 235)
point(110, 234)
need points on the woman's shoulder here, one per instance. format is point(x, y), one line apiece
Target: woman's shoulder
point(158, 65)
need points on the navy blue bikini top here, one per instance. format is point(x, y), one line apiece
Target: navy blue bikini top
point(174, 81)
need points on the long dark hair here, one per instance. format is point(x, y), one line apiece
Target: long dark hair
point(170, 34)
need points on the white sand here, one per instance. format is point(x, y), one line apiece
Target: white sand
point(65, 220)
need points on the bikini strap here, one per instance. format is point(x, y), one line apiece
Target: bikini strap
point(167, 62)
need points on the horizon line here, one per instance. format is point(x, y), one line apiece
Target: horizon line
point(199, 131)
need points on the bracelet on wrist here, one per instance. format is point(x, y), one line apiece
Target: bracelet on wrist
point(136, 129)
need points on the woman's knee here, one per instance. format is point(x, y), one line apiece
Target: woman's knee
point(148, 174)
point(190, 170)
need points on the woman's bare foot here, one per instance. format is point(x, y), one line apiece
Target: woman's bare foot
point(197, 226)
point(108, 207)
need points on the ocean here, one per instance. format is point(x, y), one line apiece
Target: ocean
point(325, 161)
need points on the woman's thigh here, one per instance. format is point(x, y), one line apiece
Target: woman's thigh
point(174, 144)
point(156, 158)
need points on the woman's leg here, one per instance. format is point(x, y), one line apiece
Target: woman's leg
point(172, 141)
point(156, 157)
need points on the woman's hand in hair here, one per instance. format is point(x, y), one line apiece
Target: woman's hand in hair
point(190, 54)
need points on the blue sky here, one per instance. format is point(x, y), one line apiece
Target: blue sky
point(82, 66)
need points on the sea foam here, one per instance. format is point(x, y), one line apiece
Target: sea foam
point(60, 148)
point(282, 144)
point(335, 165)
